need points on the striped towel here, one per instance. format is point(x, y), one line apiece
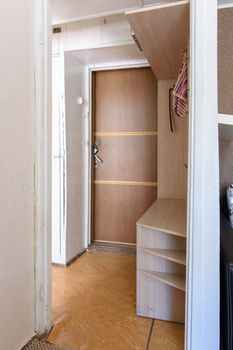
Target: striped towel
point(180, 92)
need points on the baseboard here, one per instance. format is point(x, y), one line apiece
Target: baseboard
point(71, 261)
point(75, 258)
point(112, 248)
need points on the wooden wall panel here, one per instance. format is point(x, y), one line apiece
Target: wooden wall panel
point(225, 61)
point(172, 148)
point(123, 93)
point(127, 158)
point(117, 209)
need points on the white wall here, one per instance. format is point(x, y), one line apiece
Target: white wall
point(97, 32)
point(16, 176)
point(75, 164)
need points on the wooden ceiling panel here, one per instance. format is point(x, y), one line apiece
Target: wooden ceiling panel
point(163, 33)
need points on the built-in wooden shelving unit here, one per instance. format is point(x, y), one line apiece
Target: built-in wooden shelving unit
point(161, 260)
point(163, 36)
point(225, 122)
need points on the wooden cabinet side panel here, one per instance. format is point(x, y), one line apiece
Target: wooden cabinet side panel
point(172, 148)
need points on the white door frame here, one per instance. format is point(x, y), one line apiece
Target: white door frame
point(202, 297)
point(202, 323)
point(43, 161)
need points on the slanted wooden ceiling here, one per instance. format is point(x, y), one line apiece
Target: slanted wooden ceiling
point(163, 33)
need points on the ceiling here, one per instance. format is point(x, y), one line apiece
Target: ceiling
point(65, 11)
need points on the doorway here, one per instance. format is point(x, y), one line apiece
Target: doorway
point(125, 100)
point(197, 256)
point(124, 139)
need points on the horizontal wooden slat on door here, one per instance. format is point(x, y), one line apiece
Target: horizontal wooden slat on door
point(117, 209)
point(125, 183)
point(125, 133)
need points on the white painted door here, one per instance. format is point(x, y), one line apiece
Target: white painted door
point(58, 243)
point(75, 156)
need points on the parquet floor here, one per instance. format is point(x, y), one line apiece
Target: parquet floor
point(94, 308)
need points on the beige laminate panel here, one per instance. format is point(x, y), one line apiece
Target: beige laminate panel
point(158, 300)
point(172, 148)
point(117, 209)
point(163, 33)
point(125, 100)
point(166, 215)
point(225, 61)
point(127, 158)
point(150, 238)
point(155, 263)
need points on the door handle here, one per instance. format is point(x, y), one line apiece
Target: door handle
point(95, 151)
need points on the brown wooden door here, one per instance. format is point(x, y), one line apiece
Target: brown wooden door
point(125, 130)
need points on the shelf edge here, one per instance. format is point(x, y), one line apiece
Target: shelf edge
point(225, 119)
point(160, 254)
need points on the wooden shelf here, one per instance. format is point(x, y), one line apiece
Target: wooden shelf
point(173, 280)
point(225, 127)
point(172, 255)
point(166, 215)
point(163, 36)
